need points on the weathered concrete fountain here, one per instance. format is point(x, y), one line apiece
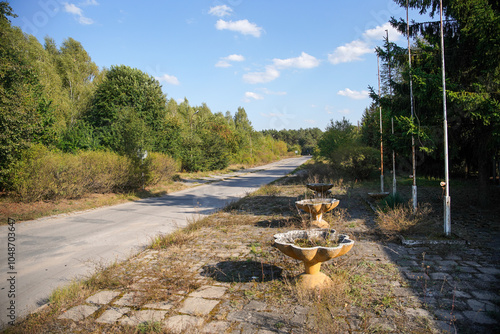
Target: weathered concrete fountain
point(312, 257)
point(316, 207)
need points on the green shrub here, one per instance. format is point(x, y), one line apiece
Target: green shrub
point(393, 200)
point(356, 160)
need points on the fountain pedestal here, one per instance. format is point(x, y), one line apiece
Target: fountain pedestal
point(316, 207)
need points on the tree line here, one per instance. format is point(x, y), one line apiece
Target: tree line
point(56, 100)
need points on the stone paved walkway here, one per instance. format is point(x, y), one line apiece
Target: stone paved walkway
point(439, 291)
point(229, 279)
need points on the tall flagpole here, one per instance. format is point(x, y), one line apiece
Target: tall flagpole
point(447, 199)
point(381, 142)
point(394, 190)
point(414, 187)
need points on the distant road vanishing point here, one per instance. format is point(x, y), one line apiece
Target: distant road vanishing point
point(50, 252)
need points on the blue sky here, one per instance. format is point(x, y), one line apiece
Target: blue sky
point(291, 64)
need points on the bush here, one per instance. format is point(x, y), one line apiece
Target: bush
point(43, 174)
point(159, 167)
point(104, 172)
point(356, 160)
point(393, 200)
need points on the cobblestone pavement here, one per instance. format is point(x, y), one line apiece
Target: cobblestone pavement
point(229, 279)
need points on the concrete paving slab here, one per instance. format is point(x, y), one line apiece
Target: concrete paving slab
point(111, 316)
point(489, 270)
point(198, 306)
point(479, 318)
point(133, 299)
point(163, 305)
point(215, 327)
point(182, 323)
point(486, 295)
point(102, 297)
point(138, 317)
point(79, 312)
point(209, 291)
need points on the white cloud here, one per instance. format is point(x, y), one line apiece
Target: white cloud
point(220, 11)
point(170, 79)
point(85, 20)
point(310, 121)
point(72, 8)
point(89, 3)
point(78, 12)
point(344, 111)
point(273, 71)
point(354, 50)
point(378, 33)
point(268, 75)
point(352, 94)
point(235, 57)
point(242, 26)
point(252, 95)
point(225, 61)
point(303, 61)
point(349, 52)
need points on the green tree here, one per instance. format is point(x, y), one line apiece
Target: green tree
point(26, 116)
point(341, 145)
point(125, 87)
point(77, 72)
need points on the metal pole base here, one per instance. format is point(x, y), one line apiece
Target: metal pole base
point(447, 216)
point(414, 197)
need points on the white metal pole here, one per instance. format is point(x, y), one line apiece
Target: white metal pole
point(414, 187)
point(381, 143)
point(447, 199)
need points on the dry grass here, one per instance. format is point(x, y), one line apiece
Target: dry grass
point(402, 219)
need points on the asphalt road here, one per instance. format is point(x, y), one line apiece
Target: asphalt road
point(50, 252)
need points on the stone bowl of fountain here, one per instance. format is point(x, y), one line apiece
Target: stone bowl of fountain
point(313, 247)
point(316, 207)
point(320, 188)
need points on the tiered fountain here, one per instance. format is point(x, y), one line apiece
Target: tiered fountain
point(326, 243)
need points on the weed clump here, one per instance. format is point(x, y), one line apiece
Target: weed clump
point(402, 219)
